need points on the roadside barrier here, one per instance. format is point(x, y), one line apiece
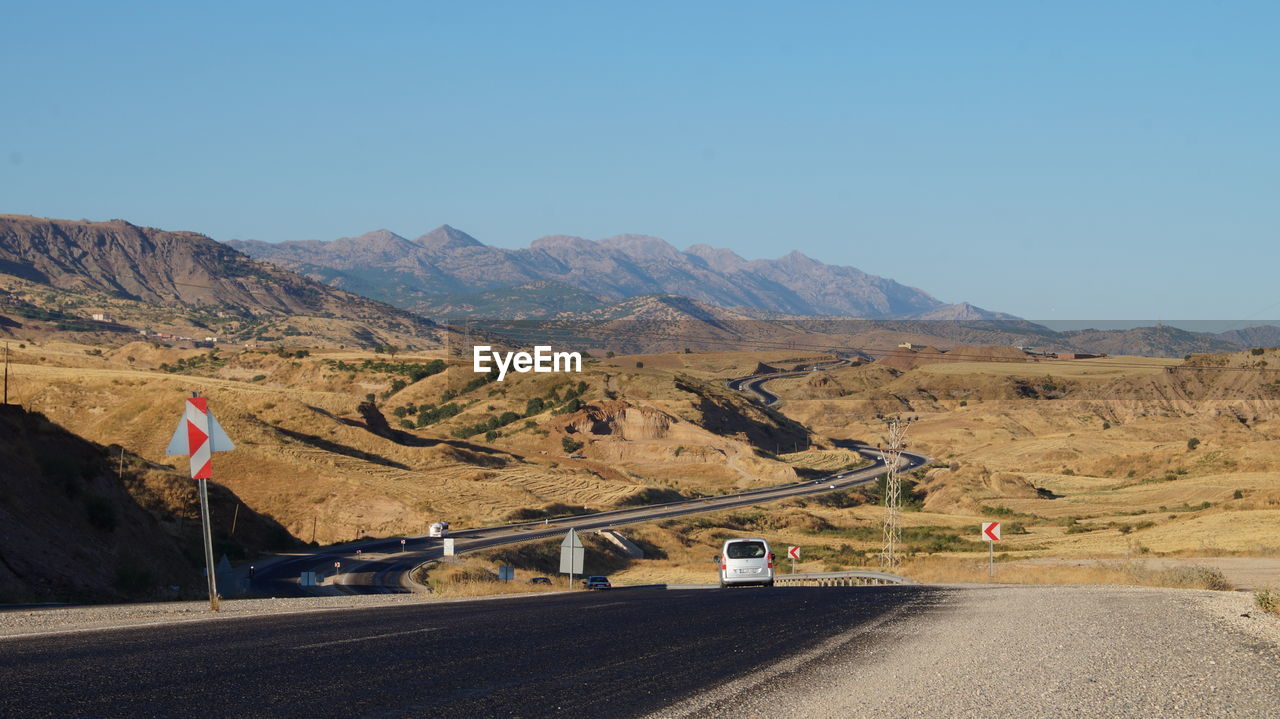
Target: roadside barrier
point(838, 579)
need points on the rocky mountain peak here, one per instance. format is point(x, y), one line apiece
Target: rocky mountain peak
point(445, 238)
point(718, 258)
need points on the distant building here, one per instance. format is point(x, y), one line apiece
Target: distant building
point(909, 346)
point(102, 317)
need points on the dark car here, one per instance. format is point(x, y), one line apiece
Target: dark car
point(596, 583)
point(540, 580)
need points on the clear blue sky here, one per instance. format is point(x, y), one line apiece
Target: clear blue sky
point(1059, 160)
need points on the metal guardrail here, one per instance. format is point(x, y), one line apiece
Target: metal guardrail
point(838, 579)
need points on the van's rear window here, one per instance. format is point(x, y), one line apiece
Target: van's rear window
point(745, 550)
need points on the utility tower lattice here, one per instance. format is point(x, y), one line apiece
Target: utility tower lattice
point(892, 455)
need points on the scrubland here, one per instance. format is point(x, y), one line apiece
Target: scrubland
point(1109, 463)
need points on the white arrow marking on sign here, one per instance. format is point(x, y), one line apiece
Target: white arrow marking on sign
point(793, 552)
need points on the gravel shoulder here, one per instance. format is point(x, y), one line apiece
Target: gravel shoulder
point(1037, 651)
point(23, 622)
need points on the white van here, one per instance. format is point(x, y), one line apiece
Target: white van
point(746, 561)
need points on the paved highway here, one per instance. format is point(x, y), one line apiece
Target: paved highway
point(754, 384)
point(382, 567)
point(617, 654)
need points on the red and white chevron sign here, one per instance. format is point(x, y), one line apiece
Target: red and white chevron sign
point(793, 552)
point(991, 531)
point(199, 436)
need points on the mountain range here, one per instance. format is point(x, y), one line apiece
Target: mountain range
point(60, 272)
point(442, 271)
point(187, 276)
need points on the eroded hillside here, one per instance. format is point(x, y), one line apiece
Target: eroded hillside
point(340, 444)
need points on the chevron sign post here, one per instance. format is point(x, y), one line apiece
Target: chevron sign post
point(991, 533)
point(199, 436)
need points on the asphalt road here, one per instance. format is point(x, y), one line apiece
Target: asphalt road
point(381, 566)
point(617, 654)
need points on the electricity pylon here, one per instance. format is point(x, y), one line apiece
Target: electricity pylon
point(891, 453)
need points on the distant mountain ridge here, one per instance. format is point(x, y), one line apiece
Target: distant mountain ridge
point(177, 270)
point(423, 274)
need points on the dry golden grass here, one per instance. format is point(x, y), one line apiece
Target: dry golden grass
point(951, 570)
point(304, 458)
point(1100, 368)
point(714, 364)
point(1268, 600)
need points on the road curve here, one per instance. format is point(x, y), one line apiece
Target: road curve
point(382, 566)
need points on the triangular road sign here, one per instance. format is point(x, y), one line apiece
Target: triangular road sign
point(571, 540)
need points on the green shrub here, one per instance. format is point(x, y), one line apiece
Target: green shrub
point(570, 444)
point(1268, 600)
point(1195, 576)
point(1193, 443)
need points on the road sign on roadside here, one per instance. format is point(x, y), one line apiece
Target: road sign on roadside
point(571, 555)
point(506, 574)
point(991, 531)
point(793, 552)
point(448, 546)
point(402, 545)
point(198, 436)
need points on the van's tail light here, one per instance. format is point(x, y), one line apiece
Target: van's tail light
point(724, 566)
point(770, 560)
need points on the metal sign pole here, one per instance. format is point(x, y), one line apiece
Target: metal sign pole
point(198, 436)
point(991, 560)
point(208, 544)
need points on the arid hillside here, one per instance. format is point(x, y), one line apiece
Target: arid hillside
point(1093, 457)
point(80, 521)
point(339, 444)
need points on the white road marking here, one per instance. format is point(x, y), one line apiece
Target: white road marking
point(365, 639)
point(607, 604)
